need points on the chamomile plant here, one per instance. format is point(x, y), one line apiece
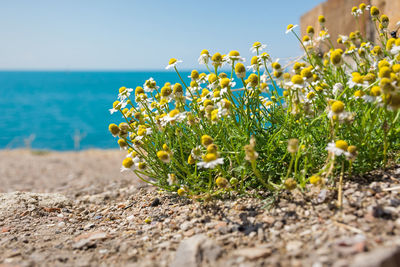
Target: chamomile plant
point(265, 126)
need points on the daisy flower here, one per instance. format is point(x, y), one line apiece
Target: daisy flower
point(164, 156)
point(129, 163)
point(150, 85)
point(117, 105)
point(175, 115)
point(338, 148)
point(257, 46)
point(233, 57)
point(290, 28)
point(172, 63)
point(323, 35)
point(255, 64)
point(210, 161)
point(204, 57)
point(124, 93)
point(196, 153)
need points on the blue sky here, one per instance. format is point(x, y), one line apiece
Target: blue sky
point(134, 35)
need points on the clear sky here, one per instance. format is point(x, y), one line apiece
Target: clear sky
point(133, 35)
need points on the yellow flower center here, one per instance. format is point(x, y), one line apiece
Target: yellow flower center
point(256, 44)
point(127, 163)
point(166, 91)
point(276, 65)
point(142, 165)
point(315, 179)
point(217, 57)
point(375, 91)
point(177, 88)
point(359, 93)
point(352, 149)
point(181, 192)
point(122, 143)
point(240, 68)
point(221, 182)
point(212, 78)
point(210, 157)
point(234, 53)
point(172, 61)
point(384, 72)
point(310, 95)
point(254, 60)
point(224, 82)
point(173, 113)
point(341, 144)
point(213, 148)
point(194, 74)
point(374, 11)
point(208, 102)
point(114, 129)
point(297, 79)
point(116, 104)
point(163, 155)
point(337, 106)
point(142, 131)
point(204, 92)
point(206, 140)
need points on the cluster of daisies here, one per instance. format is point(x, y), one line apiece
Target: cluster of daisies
point(237, 125)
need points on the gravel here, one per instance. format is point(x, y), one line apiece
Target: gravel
point(122, 222)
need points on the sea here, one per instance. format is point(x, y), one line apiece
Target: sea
point(65, 110)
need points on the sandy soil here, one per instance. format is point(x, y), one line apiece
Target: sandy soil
point(77, 209)
point(46, 171)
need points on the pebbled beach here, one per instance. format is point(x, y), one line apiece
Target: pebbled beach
point(77, 209)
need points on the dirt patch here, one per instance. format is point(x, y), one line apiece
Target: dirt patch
point(120, 222)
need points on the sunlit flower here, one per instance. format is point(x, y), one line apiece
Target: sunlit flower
point(124, 93)
point(175, 115)
point(338, 148)
point(172, 63)
point(117, 105)
point(257, 47)
point(150, 85)
point(234, 56)
point(290, 28)
point(204, 57)
point(210, 161)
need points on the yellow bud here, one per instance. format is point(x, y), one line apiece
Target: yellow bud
point(164, 156)
point(206, 140)
point(374, 11)
point(240, 70)
point(221, 182)
point(224, 82)
point(297, 79)
point(315, 179)
point(114, 129)
point(290, 184)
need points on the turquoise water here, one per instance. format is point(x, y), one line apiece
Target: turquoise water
point(53, 107)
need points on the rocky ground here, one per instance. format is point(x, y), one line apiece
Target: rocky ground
point(76, 209)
